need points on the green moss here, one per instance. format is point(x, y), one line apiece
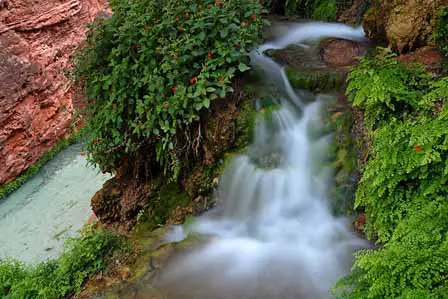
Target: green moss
point(12, 186)
point(169, 197)
point(342, 158)
point(245, 122)
point(166, 199)
point(325, 80)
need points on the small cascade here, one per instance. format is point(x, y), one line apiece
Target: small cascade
point(274, 234)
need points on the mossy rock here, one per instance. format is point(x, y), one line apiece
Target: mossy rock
point(152, 254)
point(297, 57)
point(342, 158)
point(245, 122)
point(317, 81)
point(403, 25)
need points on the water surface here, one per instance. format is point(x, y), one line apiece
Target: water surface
point(51, 206)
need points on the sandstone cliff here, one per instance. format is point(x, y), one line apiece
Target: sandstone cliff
point(36, 40)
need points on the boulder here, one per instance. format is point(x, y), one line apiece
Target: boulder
point(120, 201)
point(341, 52)
point(403, 25)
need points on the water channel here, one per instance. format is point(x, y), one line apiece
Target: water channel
point(50, 207)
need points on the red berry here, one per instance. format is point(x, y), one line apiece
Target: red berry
point(253, 17)
point(210, 54)
point(417, 148)
point(174, 89)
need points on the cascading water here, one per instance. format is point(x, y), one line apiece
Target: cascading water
point(275, 236)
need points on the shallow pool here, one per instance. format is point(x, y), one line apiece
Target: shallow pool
point(53, 205)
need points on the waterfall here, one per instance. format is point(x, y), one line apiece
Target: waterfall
point(274, 235)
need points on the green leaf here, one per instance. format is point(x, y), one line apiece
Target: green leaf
point(206, 102)
point(243, 67)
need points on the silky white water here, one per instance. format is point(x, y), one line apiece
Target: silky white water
point(274, 235)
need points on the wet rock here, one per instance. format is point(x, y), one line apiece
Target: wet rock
point(119, 202)
point(341, 52)
point(297, 57)
point(36, 41)
point(403, 25)
point(359, 223)
point(321, 67)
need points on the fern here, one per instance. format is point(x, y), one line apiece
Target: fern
point(385, 89)
point(403, 188)
point(407, 159)
point(412, 265)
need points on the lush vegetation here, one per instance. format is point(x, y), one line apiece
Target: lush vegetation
point(324, 10)
point(386, 90)
point(10, 187)
point(152, 68)
point(403, 189)
point(83, 257)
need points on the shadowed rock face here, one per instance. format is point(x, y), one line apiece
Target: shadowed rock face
point(36, 40)
point(403, 25)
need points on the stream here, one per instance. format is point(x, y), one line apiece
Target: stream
point(272, 234)
point(52, 206)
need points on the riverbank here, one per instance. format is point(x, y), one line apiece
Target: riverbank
point(8, 188)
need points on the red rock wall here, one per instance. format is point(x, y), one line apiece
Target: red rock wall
point(37, 38)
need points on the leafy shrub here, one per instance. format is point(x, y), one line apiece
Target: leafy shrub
point(153, 66)
point(441, 30)
point(385, 89)
point(82, 257)
point(324, 10)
